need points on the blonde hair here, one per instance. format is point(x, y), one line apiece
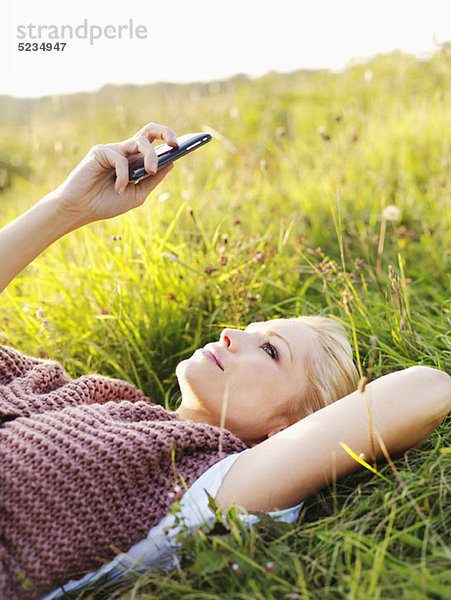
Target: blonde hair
point(331, 372)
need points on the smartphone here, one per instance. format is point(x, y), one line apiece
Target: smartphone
point(167, 154)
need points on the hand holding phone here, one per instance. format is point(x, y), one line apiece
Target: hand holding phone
point(167, 154)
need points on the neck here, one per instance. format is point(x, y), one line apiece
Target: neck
point(188, 413)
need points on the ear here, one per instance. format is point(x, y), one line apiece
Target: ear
point(276, 430)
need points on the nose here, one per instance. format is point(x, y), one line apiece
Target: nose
point(230, 338)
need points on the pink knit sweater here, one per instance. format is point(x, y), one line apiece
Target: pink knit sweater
point(86, 470)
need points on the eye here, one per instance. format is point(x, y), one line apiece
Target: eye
point(270, 350)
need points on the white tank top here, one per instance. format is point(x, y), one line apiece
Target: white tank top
point(160, 545)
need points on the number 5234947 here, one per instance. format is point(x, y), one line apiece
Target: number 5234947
point(44, 46)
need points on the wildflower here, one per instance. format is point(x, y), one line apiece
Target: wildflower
point(391, 213)
point(209, 270)
point(176, 493)
point(236, 568)
point(323, 266)
point(359, 263)
point(322, 131)
point(223, 260)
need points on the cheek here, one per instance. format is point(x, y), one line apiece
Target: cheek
point(256, 367)
point(256, 379)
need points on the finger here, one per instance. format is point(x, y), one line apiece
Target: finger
point(141, 143)
point(153, 131)
point(107, 158)
point(129, 146)
point(150, 156)
point(144, 187)
point(170, 137)
point(140, 146)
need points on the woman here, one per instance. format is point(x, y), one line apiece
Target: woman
point(89, 468)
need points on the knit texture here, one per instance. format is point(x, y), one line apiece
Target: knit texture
point(87, 468)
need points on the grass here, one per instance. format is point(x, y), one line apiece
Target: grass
point(282, 214)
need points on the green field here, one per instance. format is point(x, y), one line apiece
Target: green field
point(320, 193)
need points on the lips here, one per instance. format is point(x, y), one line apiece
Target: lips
point(212, 357)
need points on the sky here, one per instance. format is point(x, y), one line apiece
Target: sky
point(202, 40)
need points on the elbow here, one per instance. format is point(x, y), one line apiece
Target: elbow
point(436, 387)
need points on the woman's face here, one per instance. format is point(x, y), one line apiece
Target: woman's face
point(246, 380)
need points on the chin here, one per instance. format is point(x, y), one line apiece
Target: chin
point(187, 370)
point(194, 379)
point(180, 366)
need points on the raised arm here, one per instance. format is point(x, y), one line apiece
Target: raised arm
point(96, 189)
point(404, 408)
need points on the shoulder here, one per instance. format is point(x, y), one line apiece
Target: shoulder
point(404, 407)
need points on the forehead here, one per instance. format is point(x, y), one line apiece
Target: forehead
point(296, 333)
point(281, 325)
